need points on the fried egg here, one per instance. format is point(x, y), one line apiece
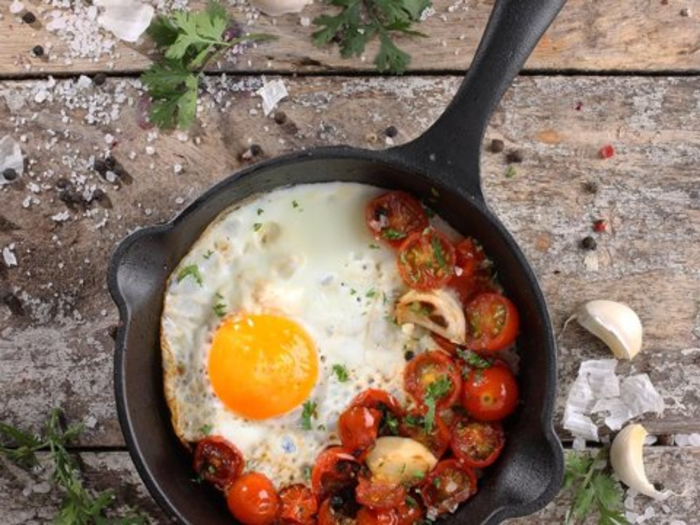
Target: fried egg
point(281, 313)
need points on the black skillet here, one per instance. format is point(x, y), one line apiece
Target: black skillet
point(446, 158)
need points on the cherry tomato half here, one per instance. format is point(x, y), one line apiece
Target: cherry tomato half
point(298, 505)
point(358, 428)
point(326, 514)
point(218, 461)
point(470, 268)
point(449, 484)
point(433, 368)
point(368, 516)
point(410, 511)
point(477, 444)
point(492, 322)
point(437, 441)
point(335, 470)
point(252, 499)
point(426, 260)
point(386, 403)
point(490, 394)
point(393, 216)
point(379, 495)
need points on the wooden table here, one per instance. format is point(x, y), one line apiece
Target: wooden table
point(620, 73)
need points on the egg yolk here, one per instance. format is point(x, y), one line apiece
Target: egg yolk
point(262, 366)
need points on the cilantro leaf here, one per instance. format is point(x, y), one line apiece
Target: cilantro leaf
point(308, 412)
point(26, 445)
point(341, 372)
point(435, 391)
point(190, 270)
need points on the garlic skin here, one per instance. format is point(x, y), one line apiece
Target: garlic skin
point(280, 7)
point(616, 324)
point(627, 459)
point(126, 19)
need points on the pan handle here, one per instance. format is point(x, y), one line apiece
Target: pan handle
point(450, 148)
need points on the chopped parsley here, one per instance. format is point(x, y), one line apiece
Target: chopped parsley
point(390, 424)
point(308, 412)
point(306, 472)
point(435, 391)
point(439, 254)
point(191, 270)
point(341, 372)
point(371, 293)
point(206, 429)
point(208, 254)
point(257, 226)
point(373, 246)
point(473, 360)
point(510, 172)
point(411, 502)
point(353, 291)
point(392, 235)
point(260, 211)
point(220, 309)
point(296, 205)
point(414, 421)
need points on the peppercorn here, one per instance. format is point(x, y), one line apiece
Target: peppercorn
point(391, 132)
point(28, 17)
point(591, 187)
point(10, 174)
point(100, 167)
point(38, 51)
point(497, 145)
point(63, 184)
point(280, 117)
point(255, 150)
point(409, 354)
point(515, 156)
point(99, 79)
point(588, 243)
point(110, 162)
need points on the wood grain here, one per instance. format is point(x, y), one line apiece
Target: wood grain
point(24, 500)
point(589, 35)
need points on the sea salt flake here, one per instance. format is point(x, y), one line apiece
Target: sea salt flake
point(127, 19)
point(272, 93)
point(8, 255)
point(16, 7)
point(61, 217)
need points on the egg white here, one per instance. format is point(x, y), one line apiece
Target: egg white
point(303, 252)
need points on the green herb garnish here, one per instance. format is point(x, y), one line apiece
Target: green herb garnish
point(359, 21)
point(208, 254)
point(439, 254)
point(435, 391)
point(257, 226)
point(260, 211)
point(341, 372)
point(390, 424)
point(510, 172)
point(206, 429)
point(593, 488)
point(220, 309)
point(373, 246)
point(308, 412)
point(191, 270)
point(392, 235)
point(189, 42)
point(371, 293)
point(474, 360)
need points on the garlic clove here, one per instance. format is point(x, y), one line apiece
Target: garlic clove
point(616, 324)
point(280, 7)
point(627, 459)
point(399, 460)
point(438, 311)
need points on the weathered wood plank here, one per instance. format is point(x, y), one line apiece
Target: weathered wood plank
point(59, 352)
point(589, 35)
point(24, 500)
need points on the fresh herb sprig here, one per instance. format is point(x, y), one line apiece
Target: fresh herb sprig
point(360, 21)
point(341, 372)
point(593, 488)
point(308, 412)
point(189, 42)
point(435, 391)
point(79, 506)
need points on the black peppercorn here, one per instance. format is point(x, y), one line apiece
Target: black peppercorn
point(10, 174)
point(38, 51)
point(280, 117)
point(591, 187)
point(515, 156)
point(409, 354)
point(255, 150)
point(391, 132)
point(497, 145)
point(63, 184)
point(28, 17)
point(588, 243)
point(110, 162)
point(99, 79)
point(100, 167)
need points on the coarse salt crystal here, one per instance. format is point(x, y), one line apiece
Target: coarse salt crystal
point(61, 217)
point(127, 19)
point(8, 256)
point(16, 7)
point(177, 168)
point(272, 93)
point(150, 150)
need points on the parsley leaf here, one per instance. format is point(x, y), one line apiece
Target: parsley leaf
point(341, 372)
point(220, 309)
point(206, 429)
point(390, 424)
point(439, 254)
point(392, 235)
point(474, 360)
point(360, 21)
point(189, 41)
point(190, 270)
point(308, 412)
point(593, 487)
point(26, 445)
point(435, 391)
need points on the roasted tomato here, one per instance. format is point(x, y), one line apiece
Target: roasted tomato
point(394, 216)
point(437, 440)
point(433, 375)
point(492, 322)
point(252, 499)
point(490, 394)
point(218, 461)
point(410, 511)
point(326, 514)
point(368, 516)
point(449, 484)
point(470, 268)
point(379, 495)
point(386, 403)
point(335, 471)
point(426, 260)
point(298, 505)
point(358, 428)
point(476, 443)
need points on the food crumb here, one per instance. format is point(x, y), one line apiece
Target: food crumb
point(515, 156)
